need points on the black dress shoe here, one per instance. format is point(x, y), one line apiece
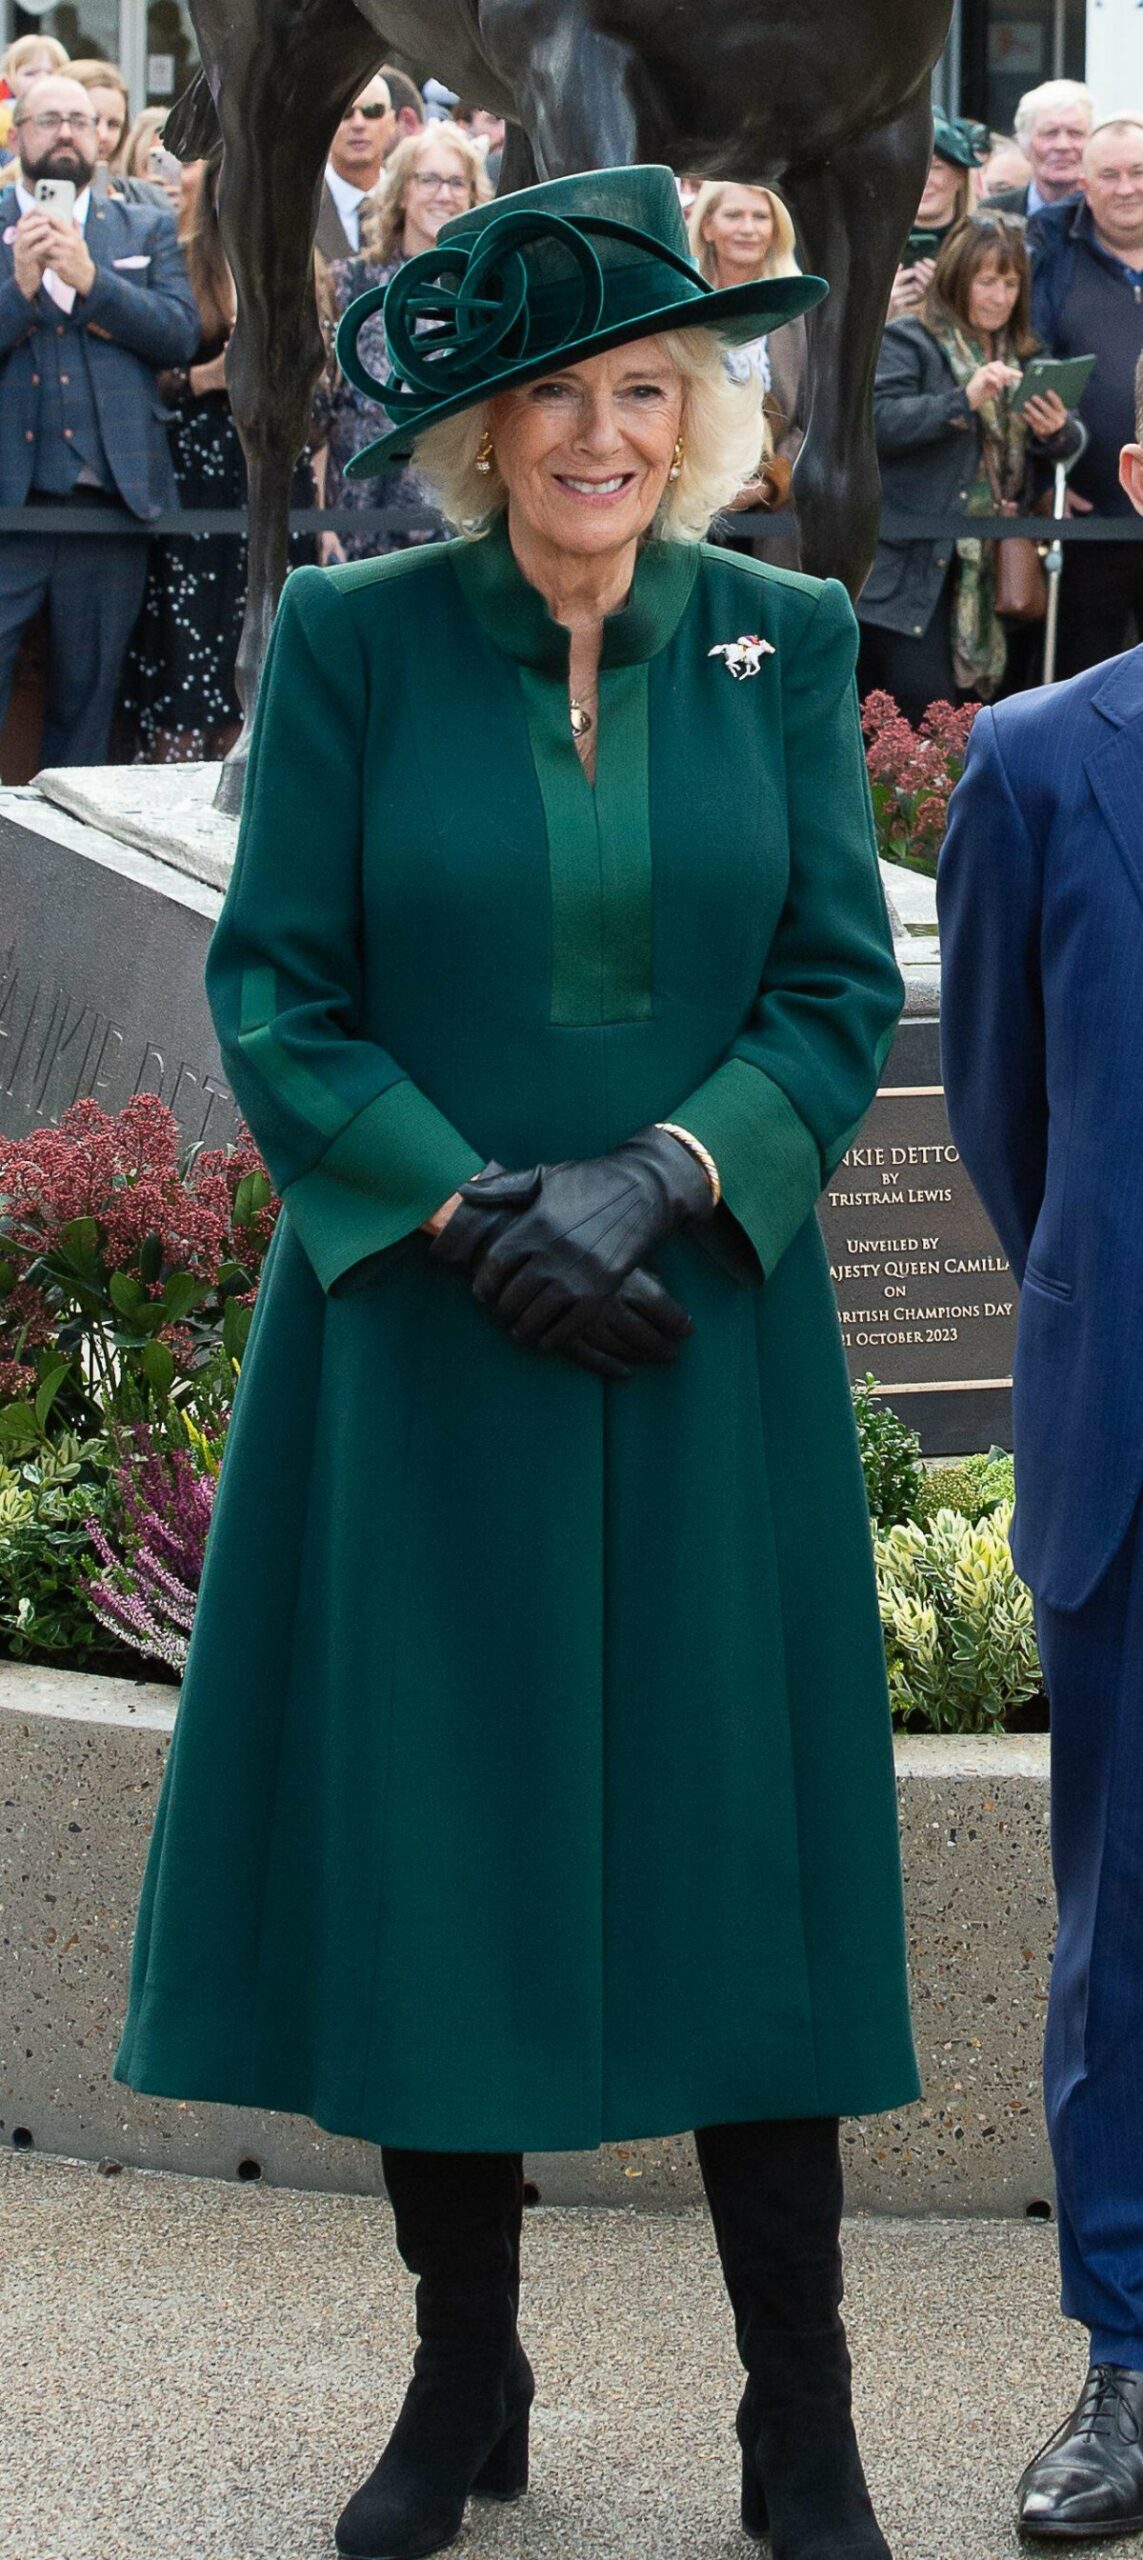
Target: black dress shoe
point(1089, 2478)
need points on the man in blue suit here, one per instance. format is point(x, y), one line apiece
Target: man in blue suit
point(91, 306)
point(1041, 909)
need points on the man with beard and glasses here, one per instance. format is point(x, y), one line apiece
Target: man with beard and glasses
point(94, 300)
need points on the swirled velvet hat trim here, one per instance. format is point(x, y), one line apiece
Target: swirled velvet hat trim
point(537, 281)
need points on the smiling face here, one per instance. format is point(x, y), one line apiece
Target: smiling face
point(585, 454)
point(438, 186)
point(1113, 185)
point(740, 230)
point(939, 202)
point(992, 296)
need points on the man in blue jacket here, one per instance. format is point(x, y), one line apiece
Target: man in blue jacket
point(1041, 910)
point(92, 304)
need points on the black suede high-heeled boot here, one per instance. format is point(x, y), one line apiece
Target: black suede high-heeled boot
point(775, 2195)
point(463, 2428)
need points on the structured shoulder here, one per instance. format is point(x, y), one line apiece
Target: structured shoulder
point(428, 561)
point(791, 601)
point(757, 595)
point(735, 566)
point(1078, 710)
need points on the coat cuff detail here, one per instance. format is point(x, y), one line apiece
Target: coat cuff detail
point(378, 1180)
point(768, 1160)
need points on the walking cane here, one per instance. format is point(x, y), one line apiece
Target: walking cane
point(1054, 555)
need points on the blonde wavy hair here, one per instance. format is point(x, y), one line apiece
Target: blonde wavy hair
point(25, 49)
point(780, 259)
point(389, 220)
point(724, 435)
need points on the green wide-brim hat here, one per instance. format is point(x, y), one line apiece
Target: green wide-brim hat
point(960, 141)
point(537, 281)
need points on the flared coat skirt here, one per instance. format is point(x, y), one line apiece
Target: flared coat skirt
point(538, 1792)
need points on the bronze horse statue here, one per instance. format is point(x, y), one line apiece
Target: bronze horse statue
point(829, 100)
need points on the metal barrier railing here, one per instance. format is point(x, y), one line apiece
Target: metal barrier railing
point(896, 526)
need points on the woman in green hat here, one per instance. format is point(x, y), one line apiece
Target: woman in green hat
point(948, 196)
point(532, 1783)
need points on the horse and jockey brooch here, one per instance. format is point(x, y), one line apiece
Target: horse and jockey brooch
point(743, 657)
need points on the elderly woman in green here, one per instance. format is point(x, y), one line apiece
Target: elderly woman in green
point(532, 1784)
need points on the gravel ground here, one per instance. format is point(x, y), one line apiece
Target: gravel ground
point(191, 2371)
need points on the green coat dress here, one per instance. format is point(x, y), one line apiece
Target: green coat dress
point(532, 1782)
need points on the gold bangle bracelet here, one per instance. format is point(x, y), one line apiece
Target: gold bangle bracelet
point(697, 1148)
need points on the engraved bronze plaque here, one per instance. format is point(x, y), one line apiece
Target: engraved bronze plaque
point(926, 1297)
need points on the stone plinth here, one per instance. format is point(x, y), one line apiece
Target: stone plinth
point(80, 1764)
point(102, 945)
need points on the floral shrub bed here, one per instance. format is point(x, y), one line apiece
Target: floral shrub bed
point(912, 776)
point(128, 1273)
point(129, 1268)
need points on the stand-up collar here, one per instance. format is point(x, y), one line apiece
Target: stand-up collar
point(513, 612)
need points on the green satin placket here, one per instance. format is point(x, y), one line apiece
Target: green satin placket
point(599, 848)
point(598, 836)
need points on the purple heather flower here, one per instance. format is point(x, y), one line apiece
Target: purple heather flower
point(146, 1594)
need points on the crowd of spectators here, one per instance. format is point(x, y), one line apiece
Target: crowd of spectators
point(116, 307)
point(1024, 247)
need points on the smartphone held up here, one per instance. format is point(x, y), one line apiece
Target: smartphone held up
point(56, 195)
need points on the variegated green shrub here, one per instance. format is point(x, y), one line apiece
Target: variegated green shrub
point(959, 1637)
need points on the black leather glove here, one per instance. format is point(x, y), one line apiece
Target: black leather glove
point(639, 1326)
point(475, 1221)
point(579, 1230)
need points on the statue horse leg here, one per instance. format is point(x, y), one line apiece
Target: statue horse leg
point(584, 99)
point(281, 78)
point(854, 213)
point(517, 166)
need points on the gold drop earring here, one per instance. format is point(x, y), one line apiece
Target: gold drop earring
point(484, 453)
point(676, 459)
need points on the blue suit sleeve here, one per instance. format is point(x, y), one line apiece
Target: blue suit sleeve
point(18, 316)
point(159, 320)
point(992, 1016)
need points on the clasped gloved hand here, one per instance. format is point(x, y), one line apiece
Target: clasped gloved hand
point(638, 1325)
point(579, 1231)
point(475, 1221)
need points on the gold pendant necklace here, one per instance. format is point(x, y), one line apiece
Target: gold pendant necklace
point(581, 719)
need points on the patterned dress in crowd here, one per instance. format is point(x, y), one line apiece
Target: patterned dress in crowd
point(355, 422)
point(178, 700)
